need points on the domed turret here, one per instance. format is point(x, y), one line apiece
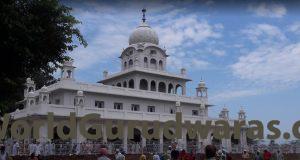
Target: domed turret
point(143, 33)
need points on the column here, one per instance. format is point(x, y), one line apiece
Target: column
point(184, 140)
point(243, 139)
point(149, 85)
point(136, 83)
point(104, 136)
point(43, 133)
point(167, 87)
point(161, 140)
point(225, 144)
point(143, 143)
point(184, 89)
point(80, 138)
point(125, 136)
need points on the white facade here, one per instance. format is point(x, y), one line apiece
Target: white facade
point(142, 90)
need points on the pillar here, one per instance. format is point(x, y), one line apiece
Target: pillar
point(161, 140)
point(125, 136)
point(143, 142)
point(243, 139)
point(184, 89)
point(104, 136)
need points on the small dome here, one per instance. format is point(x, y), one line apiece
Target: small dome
point(31, 94)
point(242, 111)
point(44, 88)
point(143, 34)
point(201, 84)
point(79, 93)
point(225, 109)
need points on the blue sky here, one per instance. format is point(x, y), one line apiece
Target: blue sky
point(248, 53)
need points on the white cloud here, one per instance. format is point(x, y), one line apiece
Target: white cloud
point(231, 94)
point(295, 28)
point(217, 52)
point(176, 63)
point(179, 31)
point(107, 32)
point(272, 66)
point(264, 33)
point(268, 10)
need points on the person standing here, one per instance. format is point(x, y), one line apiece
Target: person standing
point(267, 155)
point(245, 155)
point(15, 150)
point(3, 153)
point(156, 157)
point(39, 149)
point(103, 154)
point(119, 156)
point(174, 152)
point(258, 156)
point(142, 157)
point(210, 152)
point(279, 155)
point(32, 148)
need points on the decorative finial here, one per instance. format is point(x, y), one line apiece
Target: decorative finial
point(144, 17)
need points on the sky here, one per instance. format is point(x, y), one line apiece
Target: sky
point(248, 53)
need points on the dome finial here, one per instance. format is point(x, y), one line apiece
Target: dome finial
point(144, 17)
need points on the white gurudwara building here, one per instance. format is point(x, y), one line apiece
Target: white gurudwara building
point(142, 90)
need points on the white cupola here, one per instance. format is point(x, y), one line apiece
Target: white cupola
point(143, 33)
point(67, 70)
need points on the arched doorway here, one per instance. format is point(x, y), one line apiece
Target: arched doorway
point(160, 64)
point(153, 64)
point(143, 84)
point(152, 145)
point(234, 144)
point(191, 144)
point(153, 86)
point(170, 88)
point(145, 62)
point(131, 83)
point(167, 142)
point(178, 89)
point(135, 144)
point(216, 142)
point(125, 65)
point(130, 63)
point(162, 87)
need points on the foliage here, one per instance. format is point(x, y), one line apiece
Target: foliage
point(35, 37)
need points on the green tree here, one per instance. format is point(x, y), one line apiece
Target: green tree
point(35, 37)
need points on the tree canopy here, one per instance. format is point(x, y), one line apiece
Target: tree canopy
point(35, 37)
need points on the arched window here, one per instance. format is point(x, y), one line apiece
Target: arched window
point(137, 135)
point(44, 98)
point(178, 89)
point(162, 87)
point(30, 89)
point(69, 73)
point(143, 84)
point(234, 141)
point(153, 63)
point(131, 83)
point(160, 63)
point(125, 65)
point(130, 63)
point(119, 84)
point(146, 62)
point(125, 84)
point(153, 86)
point(31, 102)
point(170, 88)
